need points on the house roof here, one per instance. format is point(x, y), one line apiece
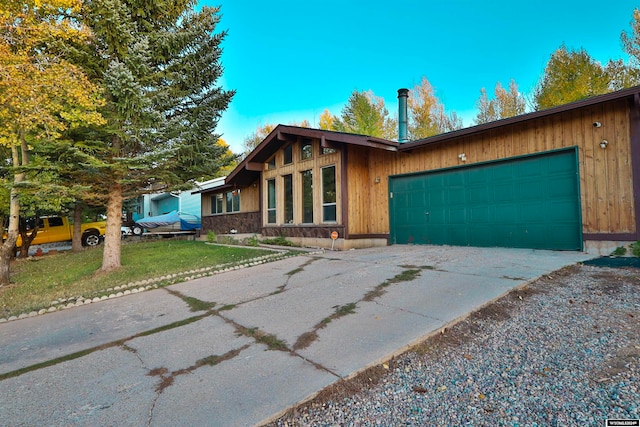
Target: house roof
point(249, 169)
point(442, 138)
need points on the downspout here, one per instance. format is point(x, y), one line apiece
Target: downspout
point(403, 117)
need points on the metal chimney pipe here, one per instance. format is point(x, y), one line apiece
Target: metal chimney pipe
point(403, 117)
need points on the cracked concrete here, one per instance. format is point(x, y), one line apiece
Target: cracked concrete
point(148, 359)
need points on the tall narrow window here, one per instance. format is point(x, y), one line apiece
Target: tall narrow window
point(288, 154)
point(288, 199)
point(233, 201)
point(271, 201)
point(216, 204)
point(329, 194)
point(307, 197)
point(306, 149)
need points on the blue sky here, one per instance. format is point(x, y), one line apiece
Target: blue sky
point(290, 60)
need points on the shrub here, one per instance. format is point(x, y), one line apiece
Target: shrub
point(253, 241)
point(635, 248)
point(619, 251)
point(211, 237)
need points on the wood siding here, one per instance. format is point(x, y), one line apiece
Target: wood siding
point(606, 175)
point(249, 200)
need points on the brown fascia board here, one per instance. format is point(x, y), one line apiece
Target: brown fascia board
point(283, 133)
point(217, 189)
point(519, 119)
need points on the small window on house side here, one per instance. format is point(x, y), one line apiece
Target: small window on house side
point(233, 201)
point(306, 149)
point(216, 204)
point(271, 201)
point(327, 150)
point(288, 154)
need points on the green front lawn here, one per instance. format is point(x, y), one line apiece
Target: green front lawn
point(39, 280)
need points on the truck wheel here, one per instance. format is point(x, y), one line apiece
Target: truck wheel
point(136, 230)
point(90, 238)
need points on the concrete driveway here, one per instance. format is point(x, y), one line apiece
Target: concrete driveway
point(240, 347)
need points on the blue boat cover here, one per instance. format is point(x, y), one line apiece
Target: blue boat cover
point(168, 219)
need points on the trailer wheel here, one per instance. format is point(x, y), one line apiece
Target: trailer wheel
point(136, 230)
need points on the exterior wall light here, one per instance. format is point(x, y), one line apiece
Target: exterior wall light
point(604, 143)
point(462, 157)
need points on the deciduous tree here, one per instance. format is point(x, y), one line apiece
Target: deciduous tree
point(506, 103)
point(42, 95)
point(427, 115)
point(570, 75)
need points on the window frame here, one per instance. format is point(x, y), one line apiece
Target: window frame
point(287, 154)
point(230, 199)
point(288, 198)
point(307, 192)
point(215, 198)
point(331, 204)
point(272, 197)
point(306, 154)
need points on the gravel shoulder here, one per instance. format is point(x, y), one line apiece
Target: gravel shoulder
point(563, 350)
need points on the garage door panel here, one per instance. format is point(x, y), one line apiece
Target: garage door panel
point(563, 186)
point(479, 215)
point(505, 214)
point(457, 196)
point(457, 216)
point(503, 192)
point(532, 190)
point(529, 202)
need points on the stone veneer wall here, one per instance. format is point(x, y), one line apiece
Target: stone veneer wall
point(314, 231)
point(243, 222)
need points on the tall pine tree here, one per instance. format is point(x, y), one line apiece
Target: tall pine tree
point(158, 62)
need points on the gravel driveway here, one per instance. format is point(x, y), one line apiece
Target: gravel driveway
point(563, 351)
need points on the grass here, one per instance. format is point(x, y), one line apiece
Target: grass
point(38, 281)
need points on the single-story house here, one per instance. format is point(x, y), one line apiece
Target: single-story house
point(565, 178)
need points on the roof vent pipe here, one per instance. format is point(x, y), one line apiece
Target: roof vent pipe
point(403, 119)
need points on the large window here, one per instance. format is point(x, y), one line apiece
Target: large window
point(271, 201)
point(216, 204)
point(288, 199)
point(233, 201)
point(306, 149)
point(329, 194)
point(307, 197)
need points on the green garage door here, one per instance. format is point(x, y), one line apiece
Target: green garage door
point(526, 202)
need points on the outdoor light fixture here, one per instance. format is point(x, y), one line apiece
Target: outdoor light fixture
point(604, 143)
point(462, 157)
point(377, 180)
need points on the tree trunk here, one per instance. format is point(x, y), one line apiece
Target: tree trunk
point(6, 250)
point(76, 241)
point(112, 238)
